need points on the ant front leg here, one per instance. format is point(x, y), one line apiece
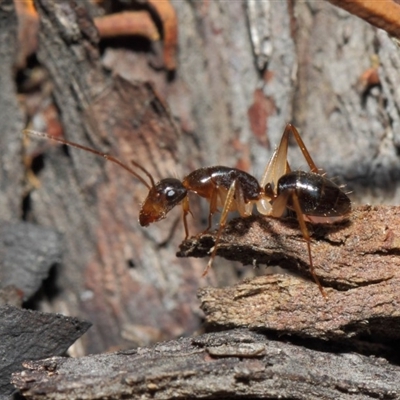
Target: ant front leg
point(185, 212)
point(233, 189)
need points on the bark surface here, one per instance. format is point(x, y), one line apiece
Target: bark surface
point(242, 72)
point(234, 364)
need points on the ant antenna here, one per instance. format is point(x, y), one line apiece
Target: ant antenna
point(106, 156)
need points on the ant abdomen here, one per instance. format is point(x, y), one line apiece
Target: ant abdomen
point(320, 199)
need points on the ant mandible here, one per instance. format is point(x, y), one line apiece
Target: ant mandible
point(312, 196)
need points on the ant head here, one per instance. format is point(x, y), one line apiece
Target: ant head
point(162, 198)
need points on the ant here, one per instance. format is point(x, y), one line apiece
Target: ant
point(312, 196)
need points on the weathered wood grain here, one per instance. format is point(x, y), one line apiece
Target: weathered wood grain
point(225, 365)
point(356, 261)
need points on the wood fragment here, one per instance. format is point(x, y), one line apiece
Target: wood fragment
point(285, 304)
point(233, 364)
point(32, 335)
point(357, 262)
point(169, 21)
point(384, 14)
point(127, 23)
point(361, 251)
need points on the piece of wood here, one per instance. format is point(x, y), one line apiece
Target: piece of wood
point(32, 335)
point(357, 262)
point(285, 304)
point(384, 14)
point(360, 251)
point(226, 365)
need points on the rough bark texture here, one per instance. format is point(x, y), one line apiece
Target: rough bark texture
point(112, 266)
point(32, 335)
point(282, 303)
point(235, 364)
point(11, 171)
point(357, 262)
point(120, 277)
point(243, 71)
point(358, 252)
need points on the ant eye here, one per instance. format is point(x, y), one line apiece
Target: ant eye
point(171, 193)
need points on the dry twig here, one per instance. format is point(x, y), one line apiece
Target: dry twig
point(384, 14)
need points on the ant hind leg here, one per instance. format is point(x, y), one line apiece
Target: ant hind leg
point(307, 238)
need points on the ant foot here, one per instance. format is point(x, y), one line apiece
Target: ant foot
point(205, 272)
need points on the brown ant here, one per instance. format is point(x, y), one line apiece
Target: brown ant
point(312, 196)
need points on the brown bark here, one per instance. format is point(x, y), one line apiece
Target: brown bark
point(241, 69)
point(358, 252)
point(384, 14)
point(356, 261)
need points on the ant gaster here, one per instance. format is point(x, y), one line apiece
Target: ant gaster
point(312, 196)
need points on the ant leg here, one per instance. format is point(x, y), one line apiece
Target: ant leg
point(222, 222)
point(278, 165)
point(186, 211)
point(213, 208)
point(306, 235)
point(291, 129)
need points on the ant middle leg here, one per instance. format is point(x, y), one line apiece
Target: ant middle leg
point(234, 191)
point(185, 212)
point(213, 208)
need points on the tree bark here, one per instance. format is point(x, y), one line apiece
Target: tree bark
point(235, 364)
point(117, 275)
point(32, 335)
point(242, 72)
point(11, 119)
